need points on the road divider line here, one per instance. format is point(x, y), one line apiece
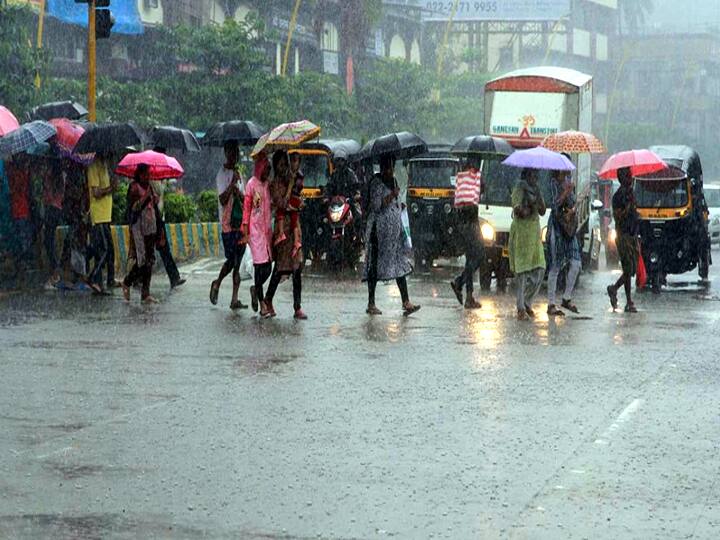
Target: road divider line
point(622, 418)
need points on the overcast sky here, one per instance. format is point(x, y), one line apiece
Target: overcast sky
point(686, 14)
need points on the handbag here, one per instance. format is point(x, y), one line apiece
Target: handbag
point(236, 215)
point(405, 219)
point(568, 221)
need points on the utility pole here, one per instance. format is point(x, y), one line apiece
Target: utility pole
point(41, 25)
point(92, 67)
point(291, 29)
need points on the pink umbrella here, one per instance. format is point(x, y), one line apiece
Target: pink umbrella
point(8, 122)
point(161, 166)
point(68, 135)
point(638, 161)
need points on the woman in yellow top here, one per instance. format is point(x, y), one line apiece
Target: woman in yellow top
point(527, 257)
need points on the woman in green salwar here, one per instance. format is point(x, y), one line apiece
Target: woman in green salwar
point(527, 257)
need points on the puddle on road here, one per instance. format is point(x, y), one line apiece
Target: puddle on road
point(256, 364)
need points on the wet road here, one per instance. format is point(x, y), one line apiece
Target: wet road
point(185, 420)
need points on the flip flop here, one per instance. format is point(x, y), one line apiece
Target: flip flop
point(214, 291)
point(458, 292)
point(612, 293)
point(409, 311)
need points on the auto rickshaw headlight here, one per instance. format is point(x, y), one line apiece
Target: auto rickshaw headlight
point(488, 232)
point(447, 208)
point(414, 208)
point(543, 234)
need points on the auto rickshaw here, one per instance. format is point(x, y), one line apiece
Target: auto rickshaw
point(317, 166)
point(673, 217)
point(430, 201)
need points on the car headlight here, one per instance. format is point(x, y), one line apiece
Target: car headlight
point(414, 208)
point(612, 236)
point(543, 234)
point(488, 232)
point(448, 208)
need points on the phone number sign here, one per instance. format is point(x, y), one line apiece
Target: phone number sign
point(494, 10)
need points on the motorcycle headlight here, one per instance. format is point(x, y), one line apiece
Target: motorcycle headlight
point(543, 234)
point(654, 258)
point(448, 208)
point(612, 236)
point(414, 208)
point(488, 232)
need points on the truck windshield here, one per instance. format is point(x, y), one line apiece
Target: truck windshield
point(432, 173)
point(499, 181)
point(661, 194)
point(316, 170)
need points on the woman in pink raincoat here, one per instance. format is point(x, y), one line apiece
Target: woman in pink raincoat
point(257, 230)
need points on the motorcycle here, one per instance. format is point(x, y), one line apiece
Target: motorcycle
point(345, 239)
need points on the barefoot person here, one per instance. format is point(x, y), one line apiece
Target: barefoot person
point(385, 257)
point(142, 217)
point(257, 230)
point(527, 257)
point(230, 194)
point(627, 225)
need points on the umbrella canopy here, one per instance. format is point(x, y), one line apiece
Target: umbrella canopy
point(402, 145)
point(8, 122)
point(25, 137)
point(161, 166)
point(106, 138)
point(68, 135)
point(639, 162)
point(58, 109)
point(172, 137)
point(286, 136)
point(574, 142)
point(482, 145)
point(246, 133)
point(539, 158)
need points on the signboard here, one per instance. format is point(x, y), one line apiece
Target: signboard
point(127, 17)
point(526, 116)
point(493, 10)
point(331, 63)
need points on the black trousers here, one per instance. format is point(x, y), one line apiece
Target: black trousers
point(53, 218)
point(143, 274)
point(262, 273)
point(103, 251)
point(171, 268)
point(296, 284)
point(474, 253)
point(372, 273)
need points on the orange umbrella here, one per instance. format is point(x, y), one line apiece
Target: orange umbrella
point(574, 142)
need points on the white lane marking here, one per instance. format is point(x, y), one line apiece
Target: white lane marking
point(622, 418)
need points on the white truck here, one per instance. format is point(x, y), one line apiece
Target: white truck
point(523, 107)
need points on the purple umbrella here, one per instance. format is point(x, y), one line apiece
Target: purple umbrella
point(539, 158)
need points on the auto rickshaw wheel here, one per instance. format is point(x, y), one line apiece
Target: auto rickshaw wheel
point(704, 265)
point(656, 282)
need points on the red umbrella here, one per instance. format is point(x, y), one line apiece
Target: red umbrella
point(161, 166)
point(68, 134)
point(8, 122)
point(638, 161)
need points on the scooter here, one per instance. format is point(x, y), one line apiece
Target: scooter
point(345, 242)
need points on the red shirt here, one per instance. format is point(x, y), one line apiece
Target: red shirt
point(468, 187)
point(19, 184)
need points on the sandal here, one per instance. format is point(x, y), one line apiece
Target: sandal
point(471, 303)
point(373, 310)
point(270, 309)
point(237, 304)
point(630, 308)
point(126, 292)
point(150, 300)
point(612, 293)
point(458, 292)
point(567, 304)
point(529, 312)
point(522, 315)
point(214, 291)
point(409, 309)
point(553, 311)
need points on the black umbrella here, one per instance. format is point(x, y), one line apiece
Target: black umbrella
point(403, 145)
point(246, 133)
point(106, 138)
point(58, 109)
point(482, 145)
point(172, 137)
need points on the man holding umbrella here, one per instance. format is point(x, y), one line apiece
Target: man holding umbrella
point(468, 189)
point(101, 188)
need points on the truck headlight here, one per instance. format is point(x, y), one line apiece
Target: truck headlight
point(543, 234)
point(488, 232)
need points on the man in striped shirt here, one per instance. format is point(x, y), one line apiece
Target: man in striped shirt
point(468, 188)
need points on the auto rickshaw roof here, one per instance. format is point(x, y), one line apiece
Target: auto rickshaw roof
point(435, 155)
point(681, 156)
point(671, 174)
point(349, 146)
